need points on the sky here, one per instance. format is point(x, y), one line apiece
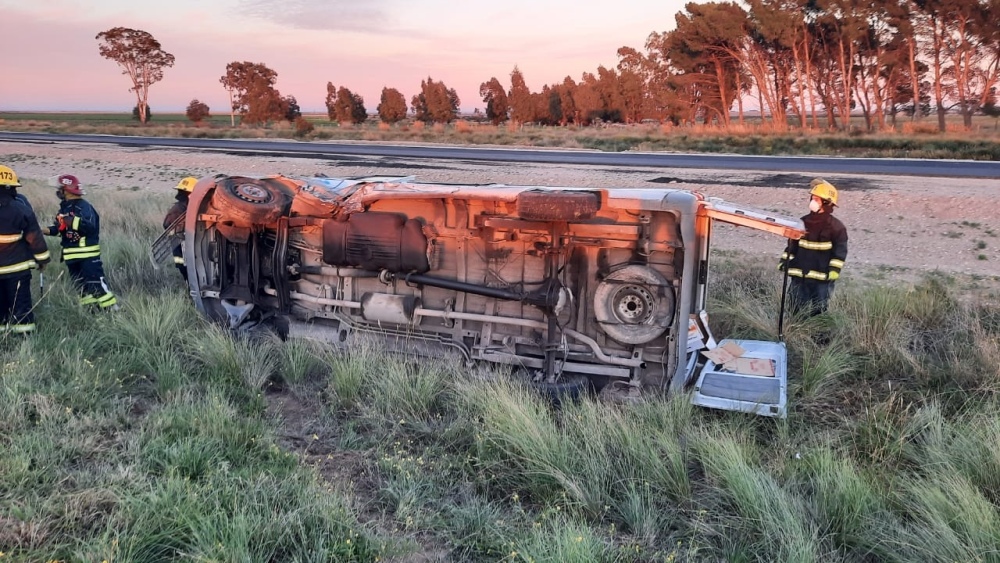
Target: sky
point(49, 58)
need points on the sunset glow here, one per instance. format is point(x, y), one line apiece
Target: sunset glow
point(50, 58)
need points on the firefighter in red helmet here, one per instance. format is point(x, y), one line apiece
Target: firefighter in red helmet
point(78, 225)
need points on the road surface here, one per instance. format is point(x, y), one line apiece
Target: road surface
point(320, 149)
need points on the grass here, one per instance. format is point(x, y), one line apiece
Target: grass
point(150, 435)
point(752, 137)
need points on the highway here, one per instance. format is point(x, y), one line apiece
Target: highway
point(320, 149)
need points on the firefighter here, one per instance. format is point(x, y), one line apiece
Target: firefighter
point(79, 225)
point(814, 262)
point(22, 247)
point(179, 209)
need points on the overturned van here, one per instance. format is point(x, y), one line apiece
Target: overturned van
point(571, 285)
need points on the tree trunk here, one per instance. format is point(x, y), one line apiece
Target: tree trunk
point(720, 76)
point(809, 77)
point(938, 78)
point(801, 83)
point(911, 43)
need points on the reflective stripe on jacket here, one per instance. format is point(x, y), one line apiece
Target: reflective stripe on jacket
point(83, 230)
point(22, 246)
point(821, 253)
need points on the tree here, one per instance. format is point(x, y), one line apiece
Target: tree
point(495, 99)
point(990, 108)
point(141, 58)
point(197, 111)
point(612, 101)
point(252, 93)
point(137, 114)
point(633, 76)
point(587, 100)
point(706, 44)
point(359, 114)
point(392, 106)
point(303, 126)
point(331, 101)
point(292, 110)
point(519, 98)
point(436, 103)
point(348, 107)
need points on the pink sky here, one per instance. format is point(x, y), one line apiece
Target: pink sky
point(50, 58)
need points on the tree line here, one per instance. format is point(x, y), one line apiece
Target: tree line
point(805, 63)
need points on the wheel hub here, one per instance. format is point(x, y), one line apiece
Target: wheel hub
point(633, 304)
point(252, 193)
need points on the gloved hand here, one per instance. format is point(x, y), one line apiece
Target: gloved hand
point(41, 265)
point(61, 221)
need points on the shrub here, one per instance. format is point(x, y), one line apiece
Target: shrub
point(135, 113)
point(197, 111)
point(303, 126)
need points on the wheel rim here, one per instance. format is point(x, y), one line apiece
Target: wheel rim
point(252, 193)
point(633, 305)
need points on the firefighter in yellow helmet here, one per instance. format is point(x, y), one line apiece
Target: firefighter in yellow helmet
point(814, 262)
point(179, 209)
point(22, 247)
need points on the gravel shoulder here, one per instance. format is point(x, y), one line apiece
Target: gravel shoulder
point(899, 226)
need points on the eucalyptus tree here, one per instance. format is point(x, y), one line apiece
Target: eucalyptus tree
point(140, 57)
point(252, 93)
point(612, 100)
point(706, 46)
point(972, 44)
point(773, 56)
point(634, 72)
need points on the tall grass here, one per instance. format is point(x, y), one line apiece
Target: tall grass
point(151, 435)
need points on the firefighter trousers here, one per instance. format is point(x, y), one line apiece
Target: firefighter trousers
point(811, 296)
point(15, 304)
point(88, 276)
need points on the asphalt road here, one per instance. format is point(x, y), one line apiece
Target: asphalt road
point(809, 164)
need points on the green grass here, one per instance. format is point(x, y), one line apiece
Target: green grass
point(150, 435)
point(752, 137)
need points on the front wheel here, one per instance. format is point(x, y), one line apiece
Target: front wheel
point(569, 387)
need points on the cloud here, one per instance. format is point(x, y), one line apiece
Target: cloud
point(322, 15)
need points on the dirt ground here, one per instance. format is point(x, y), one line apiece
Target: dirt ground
point(899, 226)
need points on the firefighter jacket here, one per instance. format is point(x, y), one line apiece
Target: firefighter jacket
point(22, 245)
point(81, 235)
point(178, 209)
point(820, 254)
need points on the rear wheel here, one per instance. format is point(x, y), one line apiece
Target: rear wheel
point(249, 200)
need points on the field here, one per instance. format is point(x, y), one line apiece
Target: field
point(150, 435)
point(907, 140)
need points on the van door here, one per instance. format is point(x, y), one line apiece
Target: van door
point(755, 379)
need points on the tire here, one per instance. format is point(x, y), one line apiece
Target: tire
point(249, 200)
point(634, 304)
point(557, 205)
point(567, 388)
